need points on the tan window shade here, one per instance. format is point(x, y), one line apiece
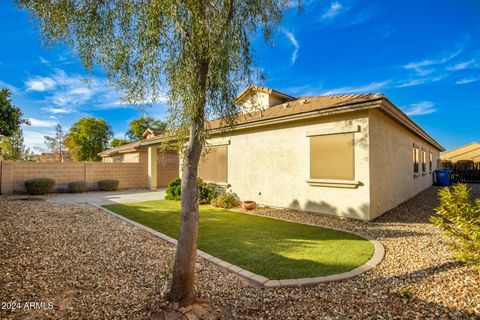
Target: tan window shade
point(213, 164)
point(332, 157)
point(416, 160)
point(424, 161)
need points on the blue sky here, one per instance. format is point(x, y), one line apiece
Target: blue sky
point(424, 55)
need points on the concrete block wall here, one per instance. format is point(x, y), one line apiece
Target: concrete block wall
point(130, 175)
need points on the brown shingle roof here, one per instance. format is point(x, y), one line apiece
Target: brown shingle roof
point(298, 106)
point(301, 105)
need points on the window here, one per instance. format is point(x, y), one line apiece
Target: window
point(118, 159)
point(332, 157)
point(424, 161)
point(416, 160)
point(430, 161)
point(213, 164)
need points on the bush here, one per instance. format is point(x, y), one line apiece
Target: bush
point(173, 189)
point(77, 187)
point(108, 185)
point(39, 186)
point(459, 218)
point(226, 200)
point(206, 191)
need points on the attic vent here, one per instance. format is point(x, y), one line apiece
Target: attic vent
point(303, 101)
point(287, 105)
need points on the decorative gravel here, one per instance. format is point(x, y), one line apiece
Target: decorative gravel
point(90, 265)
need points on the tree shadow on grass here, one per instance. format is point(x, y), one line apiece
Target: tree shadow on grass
point(270, 247)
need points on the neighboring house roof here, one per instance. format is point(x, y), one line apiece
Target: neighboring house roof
point(299, 108)
point(244, 93)
point(469, 151)
point(151, 133)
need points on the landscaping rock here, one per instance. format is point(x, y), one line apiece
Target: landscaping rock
point(91, 265)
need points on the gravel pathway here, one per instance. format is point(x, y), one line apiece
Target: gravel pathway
point(90, 265)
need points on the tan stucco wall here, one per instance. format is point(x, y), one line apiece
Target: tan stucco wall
point(132, 157)
point(271, 167)
point(391, 165)
point(256, 101)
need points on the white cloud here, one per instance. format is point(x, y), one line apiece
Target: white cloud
point(461, 65)
point(420, 81)
point(333, 10)
point(40, 84)
point(466, 80)
point(420, 108)
point(42, 123)
point(57, 110)
point(44, 61)
point(425, 67)
point(369, 88)
point(65, 92)
point(295, 44)
point(34, 139)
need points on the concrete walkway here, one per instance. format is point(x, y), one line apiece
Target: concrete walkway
point(108, 197)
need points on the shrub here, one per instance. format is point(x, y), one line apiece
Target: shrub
point(206, 191)
point(459, 218)
point(39, 186)
point(173, 189)
point(226, 200)
point(77, 187)
point(108, 185)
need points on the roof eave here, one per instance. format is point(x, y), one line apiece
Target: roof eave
point(347, 107)
point(406, 121)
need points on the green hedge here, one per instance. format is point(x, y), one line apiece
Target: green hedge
point(108, 185)
point(206, 191)
point(39, 186)
point(77, 187)
point(226, 200)
point(173, 189)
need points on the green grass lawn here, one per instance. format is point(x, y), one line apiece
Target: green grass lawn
point(273, 248)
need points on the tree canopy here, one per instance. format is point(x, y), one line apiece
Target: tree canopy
point(197, 52)
point(118, 142)
point(10, 116)
point(87, 137)
point(55, 144)
point(13, 147)
point(138, 126)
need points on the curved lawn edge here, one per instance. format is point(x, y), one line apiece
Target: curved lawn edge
point(377, 257)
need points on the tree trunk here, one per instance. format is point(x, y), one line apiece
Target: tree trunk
point(182, 289)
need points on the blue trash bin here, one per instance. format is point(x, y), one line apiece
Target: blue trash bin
point(442, 177)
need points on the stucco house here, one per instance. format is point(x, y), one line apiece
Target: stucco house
point(166, 166)
point(351, 155)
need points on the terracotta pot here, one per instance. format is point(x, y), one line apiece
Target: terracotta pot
point(249, 205)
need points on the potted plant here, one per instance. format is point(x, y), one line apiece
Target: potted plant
point(249, 205)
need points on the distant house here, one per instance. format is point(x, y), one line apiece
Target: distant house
point(468, 152)
point(63, 156)
point(166, 168)
point(351, 155)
